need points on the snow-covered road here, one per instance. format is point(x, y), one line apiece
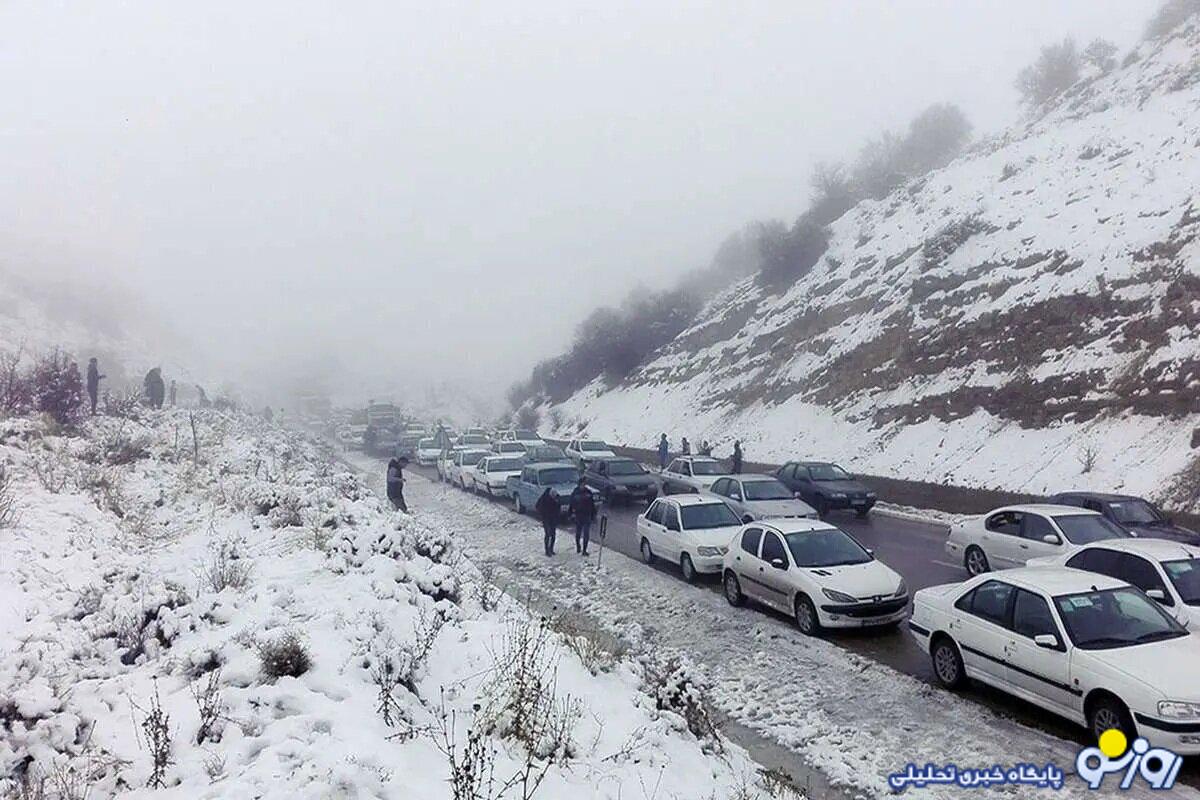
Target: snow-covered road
point(854, 720)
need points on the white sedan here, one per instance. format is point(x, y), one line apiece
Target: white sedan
point(455, 469)
point(491, 474)
point(1087, 647)
point(1008, 537)
point(815, 572)
point(1168, 572)
point(688, 530)
point(509, 448)
point(692, 474)
point(581, 451)
point(428, 451)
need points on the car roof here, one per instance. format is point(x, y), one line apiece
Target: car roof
point(552, 465)
point(1158, 549)
point(1047, 509)
point(754, 476)
point(695, 458)
point(795, 525)
point(693, 499)
point(1103, 497)
point(1056, 580)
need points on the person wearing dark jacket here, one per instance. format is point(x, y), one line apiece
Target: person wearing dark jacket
point(156, 390)
point(664, 450)
point(685, 447)
point(583, 508)
point(395, 483)
point(93, 383)
point(737, 457)
point(548, 509)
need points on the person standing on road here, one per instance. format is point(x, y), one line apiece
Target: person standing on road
point(154, 387)
point(705, 448)
point(93, 383)
point(736, 459)
point(685, 447)
point(395, 483)
point(548, 509)
point(664, 450)
point(583, 508)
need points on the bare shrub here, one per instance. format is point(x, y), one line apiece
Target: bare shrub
point(1101, 55)
point(397, 666)
point(285, 656)
point(596, 649)
point(9, 513)
point(225, 567)
point(57, 387)
point(675, 687)
point(16, 390)
point(1087, 458)
point(52, 469)
point(127, 405)
point(1056, 70)
point(210, 706)
point(105, 487)
point(119, 448)
point(473, 764)
point(485, 590)
point(156, 734)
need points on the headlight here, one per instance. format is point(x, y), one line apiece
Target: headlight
point(839, 597)
point(838, 495)
point(711, 551)
point(1176, 709)
point(903, 590)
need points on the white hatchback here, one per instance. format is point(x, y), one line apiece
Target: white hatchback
point(582, 451)
point(1008, 537)
point(1084, 646)
point(692, 474)
point(689, 530)
point(491, 474)
point(815, 572)
point(428, 451)
point(1168, 572)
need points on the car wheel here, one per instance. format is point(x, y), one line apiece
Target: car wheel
point(976, 561)
point(687, 568)
point(517, 501)
point(1108, 712)
point(647, 553)
point(947, 663)
point(733, 589)
point(806, 616)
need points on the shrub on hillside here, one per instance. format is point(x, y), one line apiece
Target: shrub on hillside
point(57, 387)
point(16, 391)
point(284, 656)
point(789, 254)
point(1056, 70)
point(1171, 15)
point(1101, 55)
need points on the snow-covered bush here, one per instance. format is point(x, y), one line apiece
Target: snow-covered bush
point(284, 656)
point(8, 497)
point(678, 689)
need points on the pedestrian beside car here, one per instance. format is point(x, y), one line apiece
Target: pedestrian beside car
point(705, 448)
point(736, 459)
point(548, 509)
point(685, 447)
point(395, 483)
point(664, 452)
point(583, 508)
point(93, 383)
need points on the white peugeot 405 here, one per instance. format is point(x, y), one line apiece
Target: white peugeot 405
point(818, 573)
point(1087, 647)
point(1008, 537)
point(690, 530)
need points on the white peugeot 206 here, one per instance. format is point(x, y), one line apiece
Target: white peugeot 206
point(815, 572)
point(1085, 646)
point(690, 530)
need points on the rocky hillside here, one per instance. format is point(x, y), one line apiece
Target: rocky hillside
point(1023, 319)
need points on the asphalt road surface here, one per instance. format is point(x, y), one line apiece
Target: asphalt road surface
point(913, 548)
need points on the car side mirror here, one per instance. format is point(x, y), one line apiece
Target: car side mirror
point(1051, 538)
point(1158, 595)
point(797, 495)
point(1046, 640)
point(778, 563)
point(736, 495)
point(870, 551)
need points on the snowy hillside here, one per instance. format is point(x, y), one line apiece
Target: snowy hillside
point(1023, 319)
point(220, 610)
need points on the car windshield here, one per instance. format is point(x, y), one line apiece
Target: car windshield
point(828, 472)
point(1088, 528)
point(473, 438)
point(707, 468)
point(625, 468)
point(472, 457)
point(593, 447)
point(1185, 577)
point(825, 548)
point(707, 515)
point(766, 490)
point(1121, 617)
point(548, 477)
point(504, 465)
point(512, 447)
point(525, 435)
point(427, 444)
point(1134, 512)
point(547, 454)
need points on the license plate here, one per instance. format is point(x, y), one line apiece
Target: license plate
point(858, 502)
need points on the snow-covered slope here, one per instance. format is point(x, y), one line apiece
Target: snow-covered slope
point(1024, 318)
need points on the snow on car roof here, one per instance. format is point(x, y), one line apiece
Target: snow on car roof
point(755, 477)
point(1047, 509)
point(1160, 549)
point(1057, 580)
point(797, 525)
point(692, 499)
point(697, 458)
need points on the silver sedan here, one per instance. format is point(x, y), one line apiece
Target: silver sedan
point(761, 497)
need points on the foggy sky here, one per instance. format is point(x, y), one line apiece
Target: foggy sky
point(442, 190)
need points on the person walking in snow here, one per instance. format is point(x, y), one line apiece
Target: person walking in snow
point(548, 509)
point(685, 447)
point(155, 388)
point(93, 383)
point(395, 483)
point(664, 450)
point(583, 508)
point(705, 448)
point(736, 459)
